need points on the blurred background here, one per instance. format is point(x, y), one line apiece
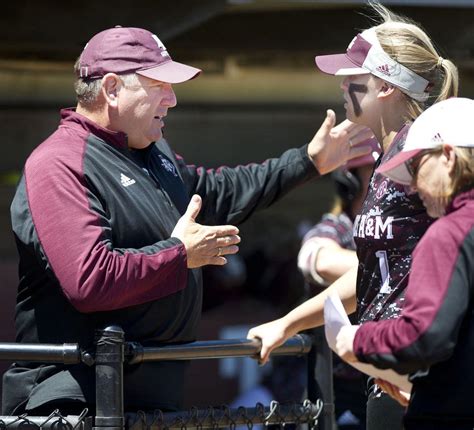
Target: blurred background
point(259, 94)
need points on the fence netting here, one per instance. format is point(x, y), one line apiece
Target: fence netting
point(55, 421)
point(276, 415)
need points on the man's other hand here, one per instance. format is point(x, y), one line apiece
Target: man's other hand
point(205, 244)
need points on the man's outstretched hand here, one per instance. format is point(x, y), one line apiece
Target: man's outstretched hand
point(333, 145)
point(205, 244)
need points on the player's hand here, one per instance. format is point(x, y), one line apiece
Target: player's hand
point(272, 334)
point(393, 391)
point(332, 145)
point(345, 341)
point(205, 244)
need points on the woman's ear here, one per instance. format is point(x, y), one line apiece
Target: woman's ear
point(450, 156)
point(111, 85)
point(386, 89)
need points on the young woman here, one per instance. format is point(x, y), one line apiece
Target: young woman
point(392, 71)
point(434, 337)
point(327, 252)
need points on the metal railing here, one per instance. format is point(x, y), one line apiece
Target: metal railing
point(111, 352)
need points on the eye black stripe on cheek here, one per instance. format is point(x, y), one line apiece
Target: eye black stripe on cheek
point(356, 88)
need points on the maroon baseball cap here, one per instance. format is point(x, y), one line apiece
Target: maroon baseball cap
point(123, 50)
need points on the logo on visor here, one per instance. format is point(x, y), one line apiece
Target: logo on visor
point(437, 138)
point(384, 65)
point(384, 69)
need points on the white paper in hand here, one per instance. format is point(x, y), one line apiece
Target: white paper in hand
point(335, 317)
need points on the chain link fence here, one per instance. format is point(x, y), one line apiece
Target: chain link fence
point(111, 352)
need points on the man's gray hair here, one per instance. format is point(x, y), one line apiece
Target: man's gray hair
point(87, 90)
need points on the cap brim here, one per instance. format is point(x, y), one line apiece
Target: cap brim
point(171, 72)
point(396, 169)
point(338, 64)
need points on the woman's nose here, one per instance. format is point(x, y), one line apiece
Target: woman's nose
point(344, 84)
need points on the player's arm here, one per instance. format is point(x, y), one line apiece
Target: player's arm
point(308, 315)
point(323, 260)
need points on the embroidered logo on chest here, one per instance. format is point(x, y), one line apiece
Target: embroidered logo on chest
point(168, 166)
point(382, 189)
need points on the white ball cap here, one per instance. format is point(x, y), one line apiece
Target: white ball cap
point(447, 122)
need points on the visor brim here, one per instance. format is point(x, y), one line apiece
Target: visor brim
point(171, 72)
point(396, 169)
point(339, 64)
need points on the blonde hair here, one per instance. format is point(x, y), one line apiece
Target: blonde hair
point(408, 44)
point(463, 173)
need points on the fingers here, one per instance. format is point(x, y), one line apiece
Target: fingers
point(359, 150)
point(227, 240)
point(329, 121)
point(360, 134)
point(264, 355)
point(223, 230)
point(219, 253)
point(216, 261)
point(361, 142)
point(224, 245)
point(346, 126)
point(194, 207)
point(393, 391)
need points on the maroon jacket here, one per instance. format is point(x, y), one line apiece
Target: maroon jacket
point(433, 339)
point(92, 221)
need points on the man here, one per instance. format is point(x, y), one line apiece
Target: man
point(105, 222)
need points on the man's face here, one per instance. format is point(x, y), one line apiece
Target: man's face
point(142, 108)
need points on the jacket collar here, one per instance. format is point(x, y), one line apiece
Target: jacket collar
point(70, 118)
point(460, 200)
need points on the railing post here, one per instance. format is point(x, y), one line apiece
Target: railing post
point(109, 358)
point(323, 379)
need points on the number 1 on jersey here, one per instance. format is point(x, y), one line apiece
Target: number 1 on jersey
point(384, 271)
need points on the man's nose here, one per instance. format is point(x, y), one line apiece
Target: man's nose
point(170, 99)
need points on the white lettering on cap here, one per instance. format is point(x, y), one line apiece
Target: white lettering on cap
point(84, 72)
point(164, 52)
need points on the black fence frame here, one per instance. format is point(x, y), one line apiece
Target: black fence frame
point(112, 352)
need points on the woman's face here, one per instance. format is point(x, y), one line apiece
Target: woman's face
point(432, 179)
point(360, 95)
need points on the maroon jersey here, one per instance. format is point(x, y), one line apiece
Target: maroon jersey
point(335, 227)
point(391, 223)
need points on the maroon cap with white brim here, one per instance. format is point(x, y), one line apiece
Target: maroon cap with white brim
point(365, 55)
point(446, 122)
point(124, 50)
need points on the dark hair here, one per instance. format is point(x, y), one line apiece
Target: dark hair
point(347, 185)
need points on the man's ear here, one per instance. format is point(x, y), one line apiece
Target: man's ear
point(386, 89)
point(111, 85)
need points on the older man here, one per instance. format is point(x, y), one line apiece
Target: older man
point(106, 223)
